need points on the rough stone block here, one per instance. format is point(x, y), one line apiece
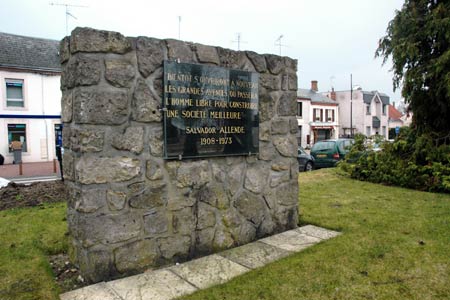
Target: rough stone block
point(85, 39)
point(135, 255)
point(68, 165)
point(155, 140)
point(175, 247)
point(256, 178)
point(116, 200)
point(149, 197)
point(145, 108)
point(252, 207)
point(206, 216)
point(183, 221)
point(100, 106)
point(270, 81)
point(193, 174)
point(89, 201)
point(66, 106)
point(286, 146)
point(150, 54)
point(81, 70)
point(64, 50)
point(258, 61)
point(85, 140)
point(280, 126)
point(266, 107)
point(287, 105)
point(207, 54)
point(107, 229)
point(91, 169)
point(132, 140)
point(155, 222)
point(119, 72)
point(180, 50)
point(275, 63)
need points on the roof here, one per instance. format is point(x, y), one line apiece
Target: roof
point(314, 96)
point(368, 96)
point(394, 114)
point(29, 53)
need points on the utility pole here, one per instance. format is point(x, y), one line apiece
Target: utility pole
point(68, 14)
point(278, 42)
point(351, 105)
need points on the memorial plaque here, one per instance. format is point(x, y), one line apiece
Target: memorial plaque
point(209, 111)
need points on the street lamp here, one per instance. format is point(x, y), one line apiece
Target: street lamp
point(351, 105)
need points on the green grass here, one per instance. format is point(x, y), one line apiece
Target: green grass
point(27, 237)
point(395, 245)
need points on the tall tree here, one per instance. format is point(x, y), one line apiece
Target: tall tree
point(418, 40)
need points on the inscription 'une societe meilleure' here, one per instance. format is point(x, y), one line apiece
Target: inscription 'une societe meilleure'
point(209, 111)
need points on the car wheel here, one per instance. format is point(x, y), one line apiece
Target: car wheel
point(308, 166)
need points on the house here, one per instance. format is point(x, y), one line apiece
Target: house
point(317, 116)
point(362, 111)
point(30, 96)
point(397, 120)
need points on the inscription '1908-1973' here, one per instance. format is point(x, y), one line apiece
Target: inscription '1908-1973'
point(209, 111)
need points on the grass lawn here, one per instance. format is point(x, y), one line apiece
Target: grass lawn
point(395, 245)
point(27, 237)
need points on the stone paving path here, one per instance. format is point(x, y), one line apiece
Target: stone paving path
point(186, 278)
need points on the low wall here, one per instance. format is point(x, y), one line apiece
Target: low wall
point(129, 207)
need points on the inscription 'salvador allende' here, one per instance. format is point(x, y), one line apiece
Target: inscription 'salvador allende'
point(209, 111)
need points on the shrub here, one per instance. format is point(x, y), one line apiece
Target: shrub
point(414, 161)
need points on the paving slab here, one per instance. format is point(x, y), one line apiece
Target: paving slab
point(291, 240)
point(318, 232)
point(186, 278)
point(99, 291)
point(157, 285)
point(255, 255)
point(208, 271)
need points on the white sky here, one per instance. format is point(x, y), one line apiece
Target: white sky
point(330, 38)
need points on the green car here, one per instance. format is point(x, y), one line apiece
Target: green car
point(327, 153)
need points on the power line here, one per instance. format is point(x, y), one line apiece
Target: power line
point(68, 14)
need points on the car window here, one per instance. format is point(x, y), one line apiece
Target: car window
point(323, 146)
point(300, 151)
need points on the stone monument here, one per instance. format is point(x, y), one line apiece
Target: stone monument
point(163, 166)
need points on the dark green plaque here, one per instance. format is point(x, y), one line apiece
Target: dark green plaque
point(209, 111)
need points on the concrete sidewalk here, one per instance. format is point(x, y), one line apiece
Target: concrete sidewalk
point(30, 170)
point(186, 278)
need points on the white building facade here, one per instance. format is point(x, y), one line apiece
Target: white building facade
point(317, 116)
point(365, 112)
point(30, 96)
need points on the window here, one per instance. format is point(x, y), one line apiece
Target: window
point(368, 131)
point(384, 109)
point(300, 109)
point(329, 115)
point(14, 93)
point(368, 109)
point(318, 114)
point(17, 132)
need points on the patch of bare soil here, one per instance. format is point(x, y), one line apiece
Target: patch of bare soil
point(67, 276)
point(21, 195)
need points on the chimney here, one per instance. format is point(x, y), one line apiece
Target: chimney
point(393, 104)
point(333, 94)
point(314, 86)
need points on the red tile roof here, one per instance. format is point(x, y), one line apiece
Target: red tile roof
point(394, 114)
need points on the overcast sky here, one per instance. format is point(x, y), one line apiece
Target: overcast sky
point(331, 39)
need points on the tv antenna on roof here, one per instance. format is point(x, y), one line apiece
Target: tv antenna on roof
point(68, 14)
point(278, 42)
point(239, 40)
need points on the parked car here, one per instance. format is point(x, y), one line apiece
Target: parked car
point(305, 160)
point(327, 153)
